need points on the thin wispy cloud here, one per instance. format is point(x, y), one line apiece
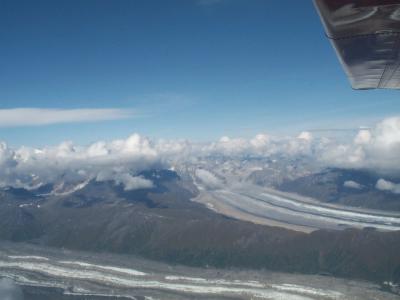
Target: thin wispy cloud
point(15, 117)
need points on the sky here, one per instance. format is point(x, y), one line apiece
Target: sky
point(196, 69)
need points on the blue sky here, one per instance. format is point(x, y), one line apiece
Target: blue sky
point(184, 69)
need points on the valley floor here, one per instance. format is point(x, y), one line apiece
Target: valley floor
point(270, 207)
point(59, 274)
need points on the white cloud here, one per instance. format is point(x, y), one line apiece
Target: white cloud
point(128, 181)
point(134, 183)
point(45, 116)
point(260, 141)
point(363, 137)
point(387, 133)
point(6, 155)
point(305, 135)
point(228, 146)
point(388, 186)
point(353, 185)
point(208, 179)
point(377, 148)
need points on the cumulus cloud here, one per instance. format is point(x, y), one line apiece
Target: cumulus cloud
point(228, 146)
point(128, 181)
point(260, 141)
point(353, 185)
point(44, 116)
point(305, 135)
point(363, 137)
point(9, 290)
point(377, 148)
point(388, 186)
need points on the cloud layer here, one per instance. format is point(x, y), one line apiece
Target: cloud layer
point(40, 116)
point(121, 161)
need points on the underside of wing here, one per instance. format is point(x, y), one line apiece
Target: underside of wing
point(366, 37)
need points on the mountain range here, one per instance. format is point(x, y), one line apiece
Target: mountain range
point(162, 223)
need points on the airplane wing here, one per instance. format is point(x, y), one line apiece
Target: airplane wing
point(366, 37)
